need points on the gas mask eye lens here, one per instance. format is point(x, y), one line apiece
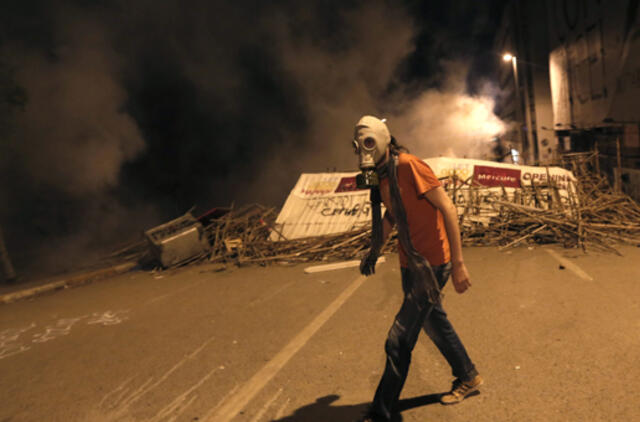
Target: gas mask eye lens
point(356, 147)
point(369, 143)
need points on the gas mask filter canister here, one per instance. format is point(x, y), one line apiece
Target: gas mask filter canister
point(371, 140)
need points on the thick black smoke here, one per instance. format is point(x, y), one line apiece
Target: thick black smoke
point(138, 110)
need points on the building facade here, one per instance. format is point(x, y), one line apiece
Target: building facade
point(578, 79)
point(524, 81)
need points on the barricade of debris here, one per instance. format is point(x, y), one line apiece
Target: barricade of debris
point(589, 213)
point(585, 213)
point(242, 237)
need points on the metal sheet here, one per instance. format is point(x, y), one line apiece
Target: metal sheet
point(177, 241)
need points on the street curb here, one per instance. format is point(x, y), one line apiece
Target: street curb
point(76, 280)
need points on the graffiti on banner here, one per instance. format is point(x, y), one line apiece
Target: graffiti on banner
point(347, 205)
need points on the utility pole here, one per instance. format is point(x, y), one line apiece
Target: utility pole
point(5, 262)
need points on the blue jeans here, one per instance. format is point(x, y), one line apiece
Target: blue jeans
point(414, 315)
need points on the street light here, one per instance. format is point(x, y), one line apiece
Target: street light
point(507, 57)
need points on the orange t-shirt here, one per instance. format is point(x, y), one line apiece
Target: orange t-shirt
point(426, 224)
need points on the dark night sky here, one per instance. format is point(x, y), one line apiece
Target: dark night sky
point(135, 111)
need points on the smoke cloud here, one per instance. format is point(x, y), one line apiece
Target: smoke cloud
point(450, 122)
point(361, 77)
point(67, 147)
point(74, 135)
point(138, 110)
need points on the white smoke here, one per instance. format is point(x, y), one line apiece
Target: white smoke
point(341, 86)
point(448, 121)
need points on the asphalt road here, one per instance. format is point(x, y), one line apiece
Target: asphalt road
point(555, 334)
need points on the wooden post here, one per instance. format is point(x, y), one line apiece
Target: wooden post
point(5, 262)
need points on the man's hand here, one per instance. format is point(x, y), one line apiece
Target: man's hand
point(368, 264)
point(460, 277)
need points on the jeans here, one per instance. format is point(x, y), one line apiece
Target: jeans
point(416, 314)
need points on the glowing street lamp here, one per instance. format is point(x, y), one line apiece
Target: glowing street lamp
point(507, 57)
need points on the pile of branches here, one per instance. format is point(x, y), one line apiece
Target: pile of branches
point(591, 215)
point(243, 237)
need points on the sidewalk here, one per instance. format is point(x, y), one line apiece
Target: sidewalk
point(17, 291)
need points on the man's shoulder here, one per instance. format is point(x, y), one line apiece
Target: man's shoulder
point(406, 158)
point(410, 166)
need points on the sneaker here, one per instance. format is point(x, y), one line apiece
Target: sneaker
point(460, 390)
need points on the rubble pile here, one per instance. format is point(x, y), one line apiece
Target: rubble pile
point(587, 214)
point(590, 215)
point(242, 237)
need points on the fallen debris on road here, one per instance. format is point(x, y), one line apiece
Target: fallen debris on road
point(592, 215)
point(583, 213)
point(242, 237)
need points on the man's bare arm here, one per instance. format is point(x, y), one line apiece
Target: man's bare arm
point(387, 226)
point(368, 263)
point(439, 199)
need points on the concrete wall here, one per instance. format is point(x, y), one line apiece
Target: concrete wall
point(579, 78)
point(523, 32)
point(594, 62)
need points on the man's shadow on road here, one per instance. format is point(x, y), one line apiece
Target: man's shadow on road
point(322, 411)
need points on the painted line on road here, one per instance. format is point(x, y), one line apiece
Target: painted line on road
point(247, 392)
point(570, 265)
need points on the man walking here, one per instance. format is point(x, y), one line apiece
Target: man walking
point(430, 251)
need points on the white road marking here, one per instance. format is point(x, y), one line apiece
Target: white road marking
point(266, 407)
point(337, 266)
point(570, 265)
point(248, 391)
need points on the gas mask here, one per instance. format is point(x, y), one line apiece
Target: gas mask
point(371, 140)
